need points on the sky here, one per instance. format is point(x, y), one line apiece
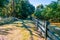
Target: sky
point(37, 2)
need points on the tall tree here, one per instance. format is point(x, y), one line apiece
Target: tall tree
point(24, 9)
point(38, 11)
point(17, 8)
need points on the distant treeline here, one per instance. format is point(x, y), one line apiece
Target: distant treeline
point(49, 12)
point(23, 9)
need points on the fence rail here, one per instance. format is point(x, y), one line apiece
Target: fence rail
point(43, 26)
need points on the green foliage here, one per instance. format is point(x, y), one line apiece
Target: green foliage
point(24, 9)
point(16, 8)
point(3, 3)
point(50, 11)
point(7, 20)
point(39, 11)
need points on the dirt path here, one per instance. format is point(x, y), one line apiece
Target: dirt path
point(19, 31)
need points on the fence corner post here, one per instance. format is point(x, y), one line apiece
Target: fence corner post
point(46, 25)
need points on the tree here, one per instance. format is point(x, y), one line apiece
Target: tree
point(39, 11)
point(24, 9)
point(53, 11)
point(3, 3)
point(17, 8)
point(50, 11)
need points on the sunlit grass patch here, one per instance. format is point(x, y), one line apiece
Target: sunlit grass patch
point(56, 24)
point(25, 35)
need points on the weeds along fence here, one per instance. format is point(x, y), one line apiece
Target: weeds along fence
point(46, 30)
point(7, 20)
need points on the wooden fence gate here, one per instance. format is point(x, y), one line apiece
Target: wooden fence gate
point(43, 27)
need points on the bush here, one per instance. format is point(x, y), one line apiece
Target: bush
point(7, 20)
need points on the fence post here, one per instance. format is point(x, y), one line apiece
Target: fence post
point(46, 25)
point(37, 24)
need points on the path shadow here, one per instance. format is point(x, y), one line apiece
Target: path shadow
point(5, 31)
point(1, 24)
point(27, 27)
point(30, 31)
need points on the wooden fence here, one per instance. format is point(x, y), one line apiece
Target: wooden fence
point(44, 28)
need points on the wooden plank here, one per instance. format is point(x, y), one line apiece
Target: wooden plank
point(41, 24)
point(42, 28)
point(51, 34)
point(55, 29)
point(49, 38)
